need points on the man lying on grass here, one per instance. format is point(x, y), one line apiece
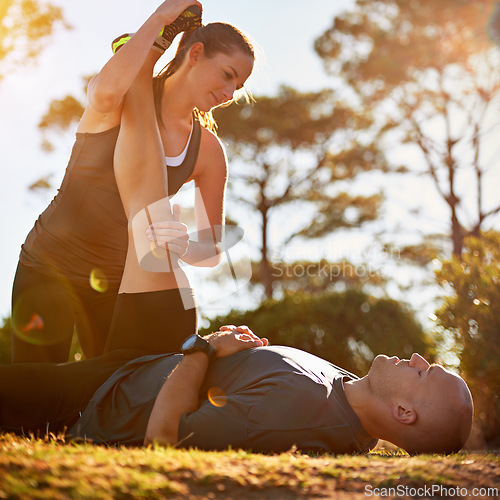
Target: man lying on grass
point(232, 389)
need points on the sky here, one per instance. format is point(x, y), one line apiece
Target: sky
point(284, 32)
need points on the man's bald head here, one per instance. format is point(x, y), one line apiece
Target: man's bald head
point(428, 408)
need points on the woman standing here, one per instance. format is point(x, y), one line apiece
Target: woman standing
point(72, 262)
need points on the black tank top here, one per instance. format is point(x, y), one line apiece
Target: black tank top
point(83, 231)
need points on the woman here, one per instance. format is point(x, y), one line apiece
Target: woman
point(72, 262)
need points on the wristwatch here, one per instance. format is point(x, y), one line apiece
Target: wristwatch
point(196, 343)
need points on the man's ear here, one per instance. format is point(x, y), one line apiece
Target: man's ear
point(196, 52)
point(404, 414)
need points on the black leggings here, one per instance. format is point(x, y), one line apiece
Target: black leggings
point(46, 310)
point(35, 397)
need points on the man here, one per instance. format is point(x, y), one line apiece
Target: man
point(233, 389)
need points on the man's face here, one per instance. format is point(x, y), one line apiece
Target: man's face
point(415, 379)
point(415, 392)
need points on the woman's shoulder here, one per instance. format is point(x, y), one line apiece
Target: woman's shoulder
point(211, 156)
point(211, 144)
point(210, 137)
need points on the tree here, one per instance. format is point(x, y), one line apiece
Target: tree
point(346, 328)
point(25, 27)
point(430, 74)
point(470, 315)
point(292, 151)
point(62, 113)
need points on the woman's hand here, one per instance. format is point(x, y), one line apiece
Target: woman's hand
point(170, 10)
point(172, 234)
point(231, 339)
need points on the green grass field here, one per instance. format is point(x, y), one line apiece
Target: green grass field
point(52, 469)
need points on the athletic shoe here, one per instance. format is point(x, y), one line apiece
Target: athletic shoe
point(188, 20)
point(118, 42)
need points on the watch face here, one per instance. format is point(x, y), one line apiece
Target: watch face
point(196, 343)
point(189, 342)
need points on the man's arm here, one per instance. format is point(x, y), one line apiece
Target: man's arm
point(179, 393)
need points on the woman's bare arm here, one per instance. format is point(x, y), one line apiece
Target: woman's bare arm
point(108, 88)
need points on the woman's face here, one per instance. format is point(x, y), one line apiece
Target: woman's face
point(216, 78)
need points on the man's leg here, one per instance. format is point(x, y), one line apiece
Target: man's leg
point(40, 397)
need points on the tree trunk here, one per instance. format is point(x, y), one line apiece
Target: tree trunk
point(457, 234)
point(267, 278)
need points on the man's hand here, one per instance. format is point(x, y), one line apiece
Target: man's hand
point(231, 339)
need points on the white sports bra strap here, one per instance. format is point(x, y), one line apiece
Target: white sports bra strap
point(176, 161)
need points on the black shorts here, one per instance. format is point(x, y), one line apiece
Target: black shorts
point(152, 322)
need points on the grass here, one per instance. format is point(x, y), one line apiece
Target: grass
point(52, 469)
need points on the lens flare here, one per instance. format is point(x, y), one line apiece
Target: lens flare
point(35, 323)
point(29, 327)
point(158, 250)
point(217, 397)
point(98, 280)
point(32, 323)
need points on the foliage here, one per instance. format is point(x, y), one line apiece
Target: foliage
point(346, 328)
point(25, 27)
point(430, 74)
point(470, 313)
point(5, 341)
point(421, 254)
point(41, 183)
point(298, 151)
point(61, 114)
point(36, 468)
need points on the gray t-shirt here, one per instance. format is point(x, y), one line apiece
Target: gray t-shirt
point(266, 399)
